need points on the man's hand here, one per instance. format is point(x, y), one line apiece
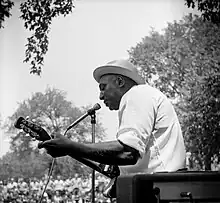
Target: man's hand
point(57, 147)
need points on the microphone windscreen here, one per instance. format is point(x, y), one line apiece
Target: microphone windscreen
point(96, 106)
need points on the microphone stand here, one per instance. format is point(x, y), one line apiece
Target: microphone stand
point(91, 113)
point(93, 122)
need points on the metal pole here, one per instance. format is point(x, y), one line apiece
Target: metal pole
point(93, 122)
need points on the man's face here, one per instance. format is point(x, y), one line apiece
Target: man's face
point(110, 91)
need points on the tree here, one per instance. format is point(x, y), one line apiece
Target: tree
point(31, 165)
point(184, 63)
point(210, 9)
point(37, 16)
point(203, 119)
point(5, 7)
point(54, 113)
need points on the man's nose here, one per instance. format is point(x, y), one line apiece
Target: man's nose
point(101, 95)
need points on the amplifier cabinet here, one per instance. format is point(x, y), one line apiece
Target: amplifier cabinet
point(190, 186)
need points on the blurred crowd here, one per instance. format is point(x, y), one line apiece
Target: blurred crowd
point(72, 190)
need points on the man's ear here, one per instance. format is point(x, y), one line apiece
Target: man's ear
point(120, 81)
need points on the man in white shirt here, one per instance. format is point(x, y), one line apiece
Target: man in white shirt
point(149, 137)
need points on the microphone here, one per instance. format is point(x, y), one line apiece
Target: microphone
point(94, 108)
point(88, 113)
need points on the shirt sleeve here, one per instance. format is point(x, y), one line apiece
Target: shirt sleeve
point(136, 119)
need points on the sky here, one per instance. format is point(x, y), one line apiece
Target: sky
point(96, 32)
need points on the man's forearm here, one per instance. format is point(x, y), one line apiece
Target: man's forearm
point(111, 153)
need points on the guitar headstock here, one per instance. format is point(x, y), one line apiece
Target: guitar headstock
point(32, 129)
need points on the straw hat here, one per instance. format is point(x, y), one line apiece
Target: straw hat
point(120, 67)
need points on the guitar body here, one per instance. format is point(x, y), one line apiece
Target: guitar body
point(110, 171)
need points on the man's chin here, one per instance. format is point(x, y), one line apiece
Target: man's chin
point(111, 108)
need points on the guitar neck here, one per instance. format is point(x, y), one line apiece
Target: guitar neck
point(40, 134)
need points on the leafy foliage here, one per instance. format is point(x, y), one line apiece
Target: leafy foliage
point(32, 164)
point(54, 113)
point(38, 16)
point(5, 7)
point(210, 9)
point(203, 119)
point(184, 63)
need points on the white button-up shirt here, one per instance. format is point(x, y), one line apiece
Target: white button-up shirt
point(148, 123)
